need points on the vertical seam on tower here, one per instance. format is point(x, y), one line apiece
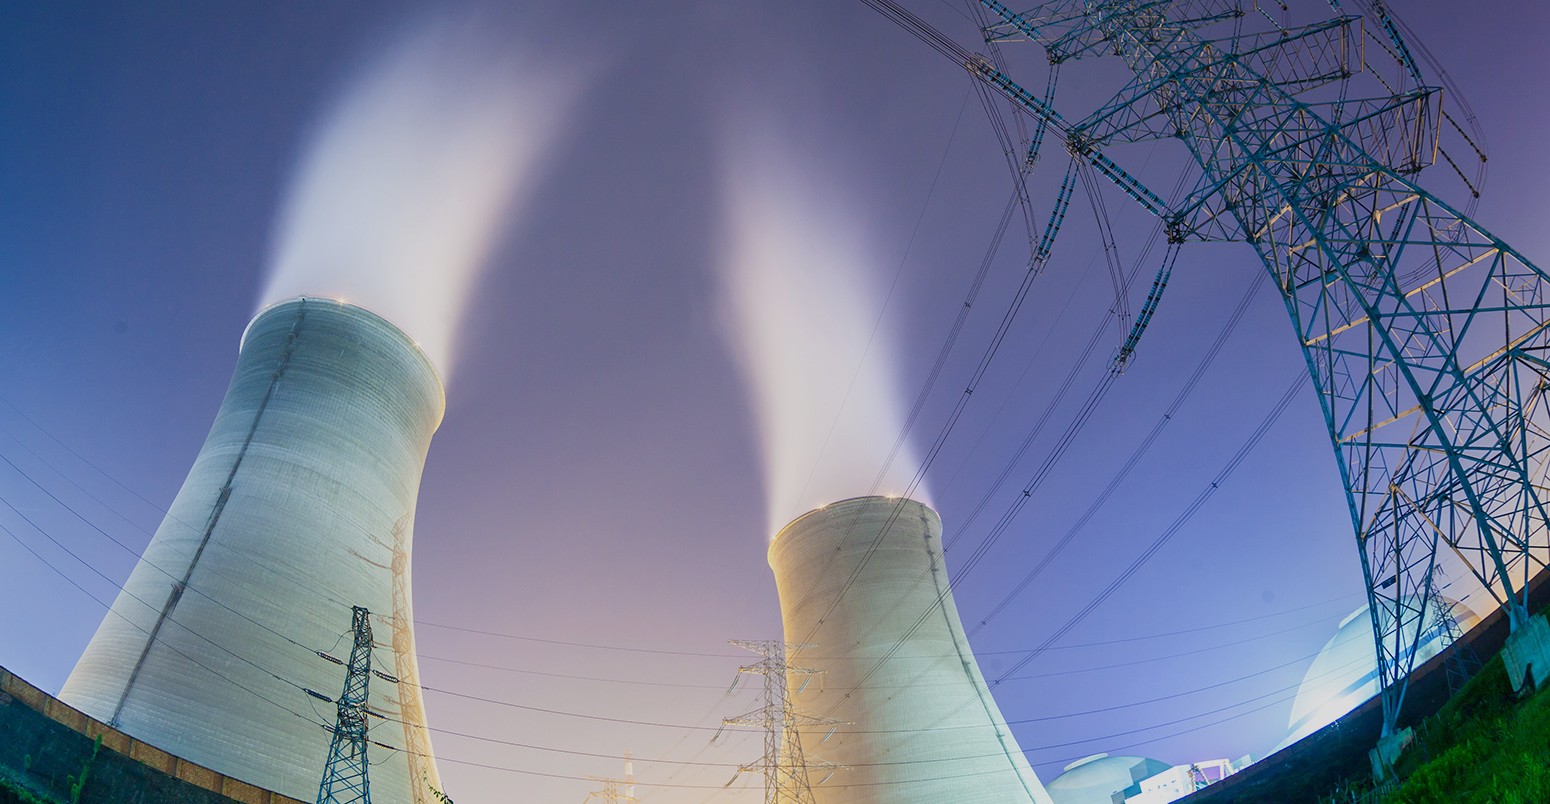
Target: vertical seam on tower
point(176, 594)
point(980, 691)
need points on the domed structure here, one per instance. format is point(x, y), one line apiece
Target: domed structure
point(1102, 779)
point(1345, 673)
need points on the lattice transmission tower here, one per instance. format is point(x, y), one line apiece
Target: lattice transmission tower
point(1461, 663)
point(344, 776)
point(411, 710)
point(1426, 336)
point(425, 782)
point(784, 765)
point(616, 791)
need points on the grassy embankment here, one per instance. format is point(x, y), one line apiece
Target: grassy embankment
point(1483, 746)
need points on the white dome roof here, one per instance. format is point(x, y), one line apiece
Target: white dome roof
point(1345, 673)
point(1097, 778)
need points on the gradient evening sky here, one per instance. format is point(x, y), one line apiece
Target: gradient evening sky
point(599, 478)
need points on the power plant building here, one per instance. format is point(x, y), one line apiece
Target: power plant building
point(299, 505)
point(864, 599)
point(1104, 779)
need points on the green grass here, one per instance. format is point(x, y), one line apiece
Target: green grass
point(1483, 746)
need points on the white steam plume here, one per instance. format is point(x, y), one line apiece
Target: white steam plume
point(801, 297)
point(405, 183)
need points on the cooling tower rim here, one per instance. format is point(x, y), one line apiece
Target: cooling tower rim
point(430, 365)
point(829, 508)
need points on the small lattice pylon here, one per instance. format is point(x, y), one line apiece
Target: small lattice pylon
point(1460, 661)
point(784, 765)
point(614, 792)
point(344, 776)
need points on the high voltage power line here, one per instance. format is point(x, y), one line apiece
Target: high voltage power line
point(975, 557)
point(1086, 668)
point(1080, 645)
point(687, 652)
point(616, 720)
point(526, 772)
point(641, 722)
point(1076, 425)
point(1135, 565)
point(428, 689)
point(166, 514)
point(1035, 267)
point(457, 628)
point(178, 582)
point(574, 643)
point(974, 560)
point(455, 760)
point(578, 644)
point(1385, 283)
point(597, 646)
point(1003, 329)
point(883, 310)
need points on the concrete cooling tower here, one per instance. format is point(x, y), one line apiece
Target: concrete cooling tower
point(299, 505)
point(918, 723)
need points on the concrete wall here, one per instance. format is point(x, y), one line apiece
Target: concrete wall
point(291, 514)
point(920, 725)
point(45, 746)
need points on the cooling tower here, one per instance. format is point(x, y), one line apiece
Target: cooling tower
point(299, 505)
point(918, 723)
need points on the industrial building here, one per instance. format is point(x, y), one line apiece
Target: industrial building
point(1104, 779)
point(897, 701)
point(299, 506)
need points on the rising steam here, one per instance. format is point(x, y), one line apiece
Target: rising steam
point(405, 183)
point(801, 298)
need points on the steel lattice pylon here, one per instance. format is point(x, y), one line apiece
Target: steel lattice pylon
point(614, 791)
point(1425, 335)
point(1460, 660)
point(345, 776)
point(784, 765)
point(417, 743)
